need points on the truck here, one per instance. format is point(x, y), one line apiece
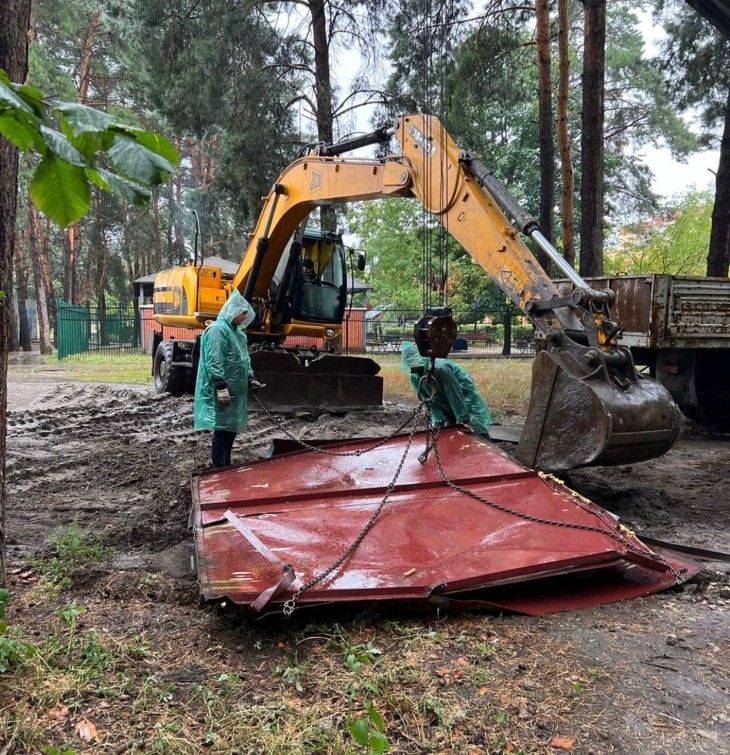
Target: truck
point(678, 330)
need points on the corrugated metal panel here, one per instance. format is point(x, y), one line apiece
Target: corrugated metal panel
point(505, 525)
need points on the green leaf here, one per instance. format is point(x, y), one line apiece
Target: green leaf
point(83, 119)
point(359, 729)
point(159, 145)
point(374, 716)
point(98, 181)
point(378, 743)
point(8, 96)
point(139, 163)
point(16, 132)
point(128, 190)
point(62, 147)
point(88, 144)
point(32, 97)
point(60, 190)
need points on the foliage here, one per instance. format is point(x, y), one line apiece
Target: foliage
point(402, 245)
point(72, 549)
point(367, 730)
point(694, 58)
point(675, 244)
point(90, 148)
point(13, 650)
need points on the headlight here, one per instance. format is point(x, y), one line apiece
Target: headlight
point(329, 333)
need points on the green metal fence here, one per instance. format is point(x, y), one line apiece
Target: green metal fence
point(85, 331)
point(96, 330)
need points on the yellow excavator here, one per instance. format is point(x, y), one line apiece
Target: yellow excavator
point(588, 404)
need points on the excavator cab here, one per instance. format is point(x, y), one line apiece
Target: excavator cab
point(311, 286)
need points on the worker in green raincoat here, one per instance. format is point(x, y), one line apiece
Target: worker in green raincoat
point(455, 397)
point(224, 378)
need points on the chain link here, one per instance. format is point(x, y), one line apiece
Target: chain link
point(424, 409)
point(290, 605)
point(617, 536)
point(326, 452)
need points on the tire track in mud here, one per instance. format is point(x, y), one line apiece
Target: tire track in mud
point(120, 459)
point(109, 456)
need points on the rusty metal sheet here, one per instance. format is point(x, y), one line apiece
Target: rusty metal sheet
point(264, 529)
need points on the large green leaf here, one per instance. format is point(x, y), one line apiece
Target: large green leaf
point(121, 187)
point(88, 144)
point(8, 97)
point(139, 163)
point(62, 147)
point(16, 132)
point(98, 180)
point(81, 118)
point(32, 97)
point(159, 145)
point(60, 190)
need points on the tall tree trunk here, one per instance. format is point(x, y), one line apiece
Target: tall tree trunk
point(150, 265)
point(179, 233)
point(323, 91)
point(102, 255)
point(545, 126)
point(566, 159)
point(12, 302)
point(41, 300)
point(21, 290)
point(14, 27)
point(72, 244)
point(73, 232)
point(718, 258)
point(46, 271)
point(591, 194)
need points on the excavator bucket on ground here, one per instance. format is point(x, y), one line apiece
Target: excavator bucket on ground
point(295, 379)
point(578, 418)
point(458, 525)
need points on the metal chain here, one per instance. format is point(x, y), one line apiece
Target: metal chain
point(618, 537)
point(318, 449)
point(290, 604)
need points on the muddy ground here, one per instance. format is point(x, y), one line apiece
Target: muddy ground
point(119, 458)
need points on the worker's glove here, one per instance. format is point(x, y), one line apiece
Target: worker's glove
point(222, 396)
point(254, 385)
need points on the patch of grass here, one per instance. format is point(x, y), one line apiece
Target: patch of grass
point(177, 682)
point(71, 550)
point(13, 648)
point(503, 383)
point(130, 369)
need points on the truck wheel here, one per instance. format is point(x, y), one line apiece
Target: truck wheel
point(713, 401)
point(168, 378)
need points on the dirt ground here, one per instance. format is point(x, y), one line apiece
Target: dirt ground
point(654, 673)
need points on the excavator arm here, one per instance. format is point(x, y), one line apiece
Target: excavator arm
point(588, 404)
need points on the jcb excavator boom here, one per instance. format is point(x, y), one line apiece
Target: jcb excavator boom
point(588, 404)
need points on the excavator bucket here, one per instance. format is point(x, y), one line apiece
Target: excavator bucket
point(296, 379)
point(395, 522)
point(577, 420)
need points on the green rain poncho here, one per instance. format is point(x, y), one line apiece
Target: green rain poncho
point(456, 398)
point(224, 359)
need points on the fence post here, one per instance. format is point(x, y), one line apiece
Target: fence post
point(507, 329)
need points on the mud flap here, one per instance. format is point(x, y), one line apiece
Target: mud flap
point(328, 382)
point(584, 420)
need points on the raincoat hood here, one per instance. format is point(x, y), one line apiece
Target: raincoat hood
point(234, 306)
point(455, 398)
point(410, 358)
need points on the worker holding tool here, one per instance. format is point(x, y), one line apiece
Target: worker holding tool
point(224, 378)
point(452, 396)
